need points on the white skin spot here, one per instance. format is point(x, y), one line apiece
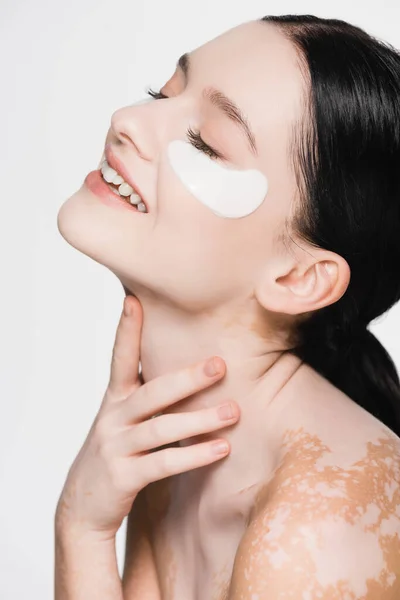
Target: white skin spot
point(310, 445)
point(276, 525)
point(390, 489)
point(287, 481)
point(371, 515)
point(339, 483)
point(349, 554)
point(328, 491)
point(390, 526)
point(304, 487)
point(277, 557)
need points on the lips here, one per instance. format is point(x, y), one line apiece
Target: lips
point(116, 164)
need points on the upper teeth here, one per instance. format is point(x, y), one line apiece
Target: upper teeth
point(124, 189)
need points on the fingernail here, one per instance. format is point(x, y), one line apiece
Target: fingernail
point(211, 368)
point(220, 447)
point(225, 412)
point(127, 308)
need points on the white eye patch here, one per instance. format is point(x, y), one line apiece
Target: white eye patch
point(229, 193)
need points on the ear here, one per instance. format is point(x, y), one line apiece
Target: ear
point(315, 281)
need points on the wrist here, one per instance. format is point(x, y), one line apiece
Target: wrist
point(70, 531)
point(86, 566)
point(68, 525)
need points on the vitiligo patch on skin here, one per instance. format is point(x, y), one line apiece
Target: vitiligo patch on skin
point(227, 192)
point(325, 532)
point(325, 525)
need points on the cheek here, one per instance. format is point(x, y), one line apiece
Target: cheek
point(184, 227)
point(205, 251)
point(187, 227)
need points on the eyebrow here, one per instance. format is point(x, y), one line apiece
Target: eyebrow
point(228, 107)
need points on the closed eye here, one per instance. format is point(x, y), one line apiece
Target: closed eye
point(194, 137)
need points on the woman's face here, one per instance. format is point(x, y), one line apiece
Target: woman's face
point(184, 250)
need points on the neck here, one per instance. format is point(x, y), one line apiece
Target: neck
point(257, 367)
point(258, 370)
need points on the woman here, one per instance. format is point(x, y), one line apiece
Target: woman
point(270, 242)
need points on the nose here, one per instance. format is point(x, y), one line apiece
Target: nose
point(131, 126)
point(148, 125)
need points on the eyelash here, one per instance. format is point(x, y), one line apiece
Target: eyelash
point(194, 137)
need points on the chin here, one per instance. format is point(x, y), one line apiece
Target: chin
point(85, 226)
point(89, 227)
point(74, 221)
point(101, 234)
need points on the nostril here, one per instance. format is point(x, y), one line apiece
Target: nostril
point(128, 130)
point(126, 139)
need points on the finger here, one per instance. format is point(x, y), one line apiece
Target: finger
point(169, 428)
point(124, 373)
point(171, 461)
point(161, 392)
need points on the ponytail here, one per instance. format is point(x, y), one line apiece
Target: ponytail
point(354, 361)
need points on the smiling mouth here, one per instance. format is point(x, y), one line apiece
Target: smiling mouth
point(122, 189)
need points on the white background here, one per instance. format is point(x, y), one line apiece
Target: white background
point(66, 66)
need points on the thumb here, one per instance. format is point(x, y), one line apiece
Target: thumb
point(124, 373)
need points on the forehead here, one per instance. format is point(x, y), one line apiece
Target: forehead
point(258, 68)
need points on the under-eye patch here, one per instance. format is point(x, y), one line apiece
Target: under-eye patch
point(228, 192)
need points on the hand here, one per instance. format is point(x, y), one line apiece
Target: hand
point(117, 459)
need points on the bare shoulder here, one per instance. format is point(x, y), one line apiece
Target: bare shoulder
point(327, 524)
